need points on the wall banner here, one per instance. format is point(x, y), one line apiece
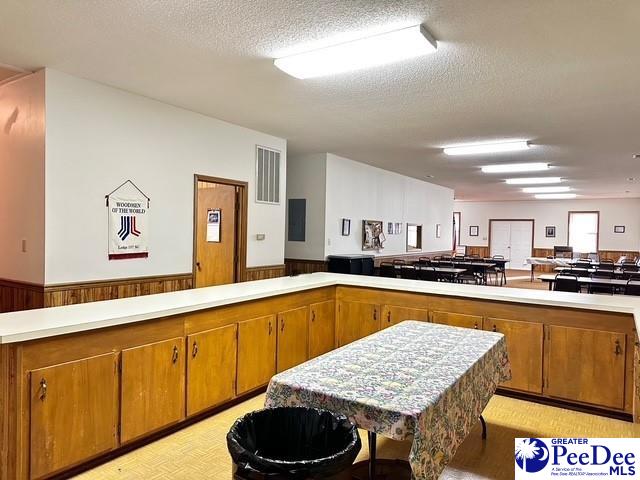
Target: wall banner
point(128, 222)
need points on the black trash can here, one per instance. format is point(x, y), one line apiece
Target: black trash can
point(293, 443)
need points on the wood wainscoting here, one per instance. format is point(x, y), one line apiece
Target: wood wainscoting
point(16, 296)
point(296, 266)
point(264, 272)
point(72, 293)
point(616, 254)
point(481, 250)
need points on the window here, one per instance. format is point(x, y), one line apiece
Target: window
point(583, 231)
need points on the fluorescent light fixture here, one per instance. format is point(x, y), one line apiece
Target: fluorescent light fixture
point(555, 196)
point(479, 148)
point(533, 180)
point(546, 189)
point(515, 167)
point(367, 52)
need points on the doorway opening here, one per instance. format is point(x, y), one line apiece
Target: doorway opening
point(219, 231)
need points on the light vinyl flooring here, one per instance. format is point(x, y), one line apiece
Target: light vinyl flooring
point(200, 451)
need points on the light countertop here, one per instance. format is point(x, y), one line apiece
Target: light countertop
point(47, 322)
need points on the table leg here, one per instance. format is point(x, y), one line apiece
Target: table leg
point(484, 427)
point(532, 266)
point(372, 455)
point(550, 284)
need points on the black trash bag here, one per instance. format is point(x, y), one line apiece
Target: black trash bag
point(293, 443)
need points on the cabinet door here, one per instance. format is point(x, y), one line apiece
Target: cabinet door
point(322, 328)
point(211, 368)
point(586, 365)
point(293, 338)
point(153, 387)
point(524, 346)
point(393, 314)
point(256, 352)
point(457, 319)
point(356, 320)
point(74, 413)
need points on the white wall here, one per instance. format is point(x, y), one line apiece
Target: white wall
point(359, 191)
point(98, 136)
point(306, 178)
point(22, 142)
point(556, 213)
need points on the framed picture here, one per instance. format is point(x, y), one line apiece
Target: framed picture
point(473, 230)
point(550, 232)
point(372, 235)
point(619, 229)
point(389, 228)
point(346, 227)
point(438, 230)
point(397, 228)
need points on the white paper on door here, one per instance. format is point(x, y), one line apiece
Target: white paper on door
point(214, 219)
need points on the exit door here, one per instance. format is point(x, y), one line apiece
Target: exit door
point(218, 232)
point(513, 239)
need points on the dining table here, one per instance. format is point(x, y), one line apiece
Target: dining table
point(417, 381)
point(586, 281)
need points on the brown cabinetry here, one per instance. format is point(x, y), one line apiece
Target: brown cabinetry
point(524, 346)
point(586, 365)
point(293, 338)
point(74, 413)
point(394, 314)
point(153, 387)
point(256, 352)
point(356, 320)
point(457, 319)
point(322, 327)
point(211, 368)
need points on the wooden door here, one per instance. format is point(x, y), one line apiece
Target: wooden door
point(322, 328)
point(256, 353)
point(524, 346)
point(74, 413)
point(586, 365)
point(215, 261)
point(153, 388)
point(211, 368)
point(457, 319)
point(393, 314)
point(293, 338)
point(356, 320)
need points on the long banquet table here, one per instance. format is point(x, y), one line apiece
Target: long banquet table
point(416, 380)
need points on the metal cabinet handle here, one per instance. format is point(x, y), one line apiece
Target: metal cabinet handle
point(389, 316)
point(194, 350)
point(198, 266)
point(174, 357)
point(618, 348)
point(375, 314)
point(43, 389)
point(494, 328)
point(475, 326)
point(282, 326)
point(313, 315)
point(270, 327)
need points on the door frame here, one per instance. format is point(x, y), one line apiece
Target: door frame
point(241, 224)
point(533, 229)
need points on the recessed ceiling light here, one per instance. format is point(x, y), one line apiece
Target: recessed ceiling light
point(515, 167)
point(358, 54)
point(495, 147)
point(555, 196)
point(533, 180)
point(631, 179)
point(546, 189)
point(636, 155)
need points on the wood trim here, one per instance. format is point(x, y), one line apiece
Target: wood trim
point(15, 296)
point(294, 266)
point(264, 272)
point(533, 228)
point(480, 250)
point(584, 211)
point(242, 189)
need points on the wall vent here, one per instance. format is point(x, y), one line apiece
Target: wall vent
point(267, 175)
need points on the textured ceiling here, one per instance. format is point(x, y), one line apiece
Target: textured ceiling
point(564, 74)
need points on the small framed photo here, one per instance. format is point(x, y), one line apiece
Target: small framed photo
point(397, 228)
point(438, 230)
point(346, 227)
point(550, 232)
point(389, 228)
point(619, 229)
point(473, 230)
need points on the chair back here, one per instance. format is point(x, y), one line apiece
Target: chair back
point(594, 257)
point(582, 264)
point(602, 274)
point(398, 261)
point(629, 266)
point(497, 257)
point(632, 287)
point(409, 272)
point(387, 269)
point(606, 265)
point(428, 273)
point(566, 283)
point(447, 257)
point(424, 260)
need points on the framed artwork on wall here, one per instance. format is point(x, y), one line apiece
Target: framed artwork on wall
point(550, 232)
point(372, 235)
point(473, 230)
point(389, 228)
point(619, 229)
point(346, 227)
point(438, 230)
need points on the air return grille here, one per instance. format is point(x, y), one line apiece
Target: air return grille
point(267, 175)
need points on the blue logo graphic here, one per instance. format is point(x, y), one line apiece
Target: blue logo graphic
point(532, 455)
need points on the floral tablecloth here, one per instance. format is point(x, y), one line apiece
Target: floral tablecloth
point(416, 380)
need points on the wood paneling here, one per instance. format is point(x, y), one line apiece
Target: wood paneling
point(616, 254)
point(153, 388)
point(73, 409)
point(295, 266)
point(256, 353)
point(457, 319)
point(11, 383)
point(636, 382)
point(480, 250)
point(322, 327)
point(15, 296)
point(356, 320)
point(211, 368)
point(293, 337)
point(72, 293)
point(262, 273)
point(394, 314)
